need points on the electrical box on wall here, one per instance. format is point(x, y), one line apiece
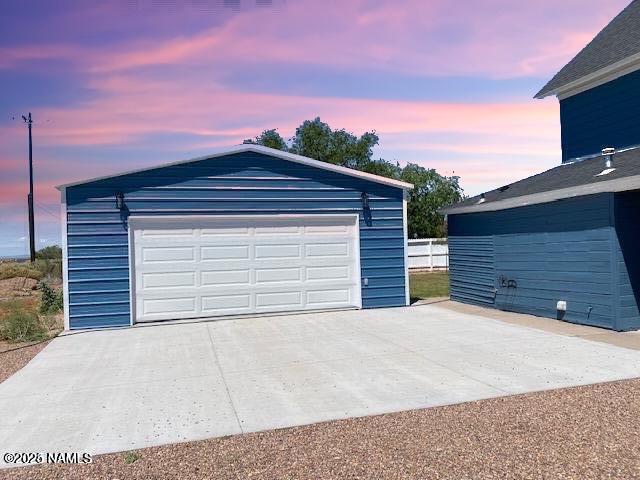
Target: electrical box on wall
point(562, 306)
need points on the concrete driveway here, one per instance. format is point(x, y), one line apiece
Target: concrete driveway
point(117, 390)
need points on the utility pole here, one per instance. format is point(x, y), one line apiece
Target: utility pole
point(32, 234)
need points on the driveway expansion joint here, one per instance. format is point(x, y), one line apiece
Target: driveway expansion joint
point(224, 380)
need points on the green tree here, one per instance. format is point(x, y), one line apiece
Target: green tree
point(431, 191)
point(269, 138)
point(382, 167)
point(316, 139)
point(50, 252)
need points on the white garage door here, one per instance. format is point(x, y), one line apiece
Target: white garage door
point(203, 267)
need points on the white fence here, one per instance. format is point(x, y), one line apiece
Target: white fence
point(429, 253)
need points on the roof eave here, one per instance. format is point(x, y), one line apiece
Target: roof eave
point(249, 147)
point(594, 79)
point(610, 186)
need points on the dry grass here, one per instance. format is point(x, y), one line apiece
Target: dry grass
point(579, 433)
point(20, 269)
point(15, 355)
point(50, 325)
point(30, 303)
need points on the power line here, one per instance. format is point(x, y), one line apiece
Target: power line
point(46, 210)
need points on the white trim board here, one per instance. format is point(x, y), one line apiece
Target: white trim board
point(405, 232)
point(266, 151)
point(595, 79)
point(65, 256)
point(609, 186)
point(132, 284)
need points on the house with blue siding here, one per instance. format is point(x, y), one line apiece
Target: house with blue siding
point(564, 243)
point(244, 231)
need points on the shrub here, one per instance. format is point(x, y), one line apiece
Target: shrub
point(50, 253)
point(14, 269)
point(51, 323)
point(49, 268)
point(22, 325)
point(131, 457)
point(51, 301)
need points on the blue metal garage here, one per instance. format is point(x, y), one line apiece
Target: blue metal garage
point(248, 230)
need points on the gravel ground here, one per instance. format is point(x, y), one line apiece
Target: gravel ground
point(582, 433)
point(13, 357)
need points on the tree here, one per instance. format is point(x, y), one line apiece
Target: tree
point(269, 138)
point(382, 167)
point(316, 139)
point(49, 253)
point(431, 191)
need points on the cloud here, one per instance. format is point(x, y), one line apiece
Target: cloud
point(162, 93)
point(495, 38)
point(17, 56)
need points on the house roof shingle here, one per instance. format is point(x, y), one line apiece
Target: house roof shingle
point(616, 42)
point(564, 181)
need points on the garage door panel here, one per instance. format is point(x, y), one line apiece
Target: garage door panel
point(168, 280)
point(278, 251)
point(268, 275)
point(327, 273)
point(324, 297)
point(162, 268)
point(169, 305)
point(219, 303)
point(168, 254)
point(243, 266)
point(288, 300)
point(224, 277)
point(226, 252)
point(327, 249)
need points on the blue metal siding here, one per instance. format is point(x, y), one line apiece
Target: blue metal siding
point(244, 183)
point(627, 256)
point(542, 254)
point(471, 268)
point(604, 116)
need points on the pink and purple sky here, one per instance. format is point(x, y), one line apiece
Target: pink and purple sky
point(124, 84)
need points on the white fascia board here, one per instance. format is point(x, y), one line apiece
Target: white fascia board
point(248, 147)
point(405, 233)
point(65, 257)
point(609, 186)
point(595, 79)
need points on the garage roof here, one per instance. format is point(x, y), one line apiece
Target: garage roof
point(585, 177)
point(248, 147)
point(615, 47)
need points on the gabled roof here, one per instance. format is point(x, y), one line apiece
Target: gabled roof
point(566, 181)
point(614, 48)
point(267, 151)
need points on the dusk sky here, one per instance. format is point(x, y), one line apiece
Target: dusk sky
point(122, 85)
